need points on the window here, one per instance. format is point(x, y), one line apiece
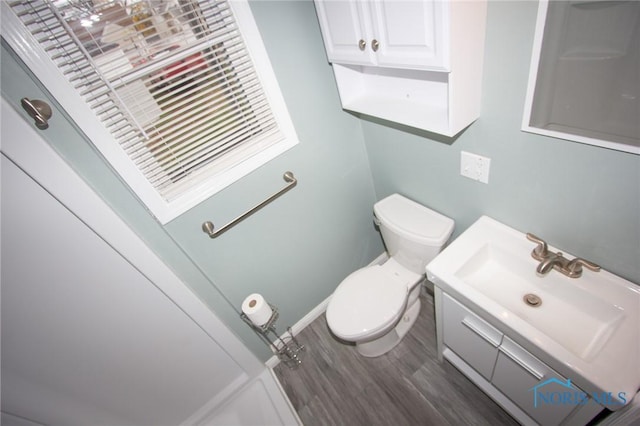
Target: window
point(181, 90)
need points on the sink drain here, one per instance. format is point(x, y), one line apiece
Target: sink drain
point(532, 300)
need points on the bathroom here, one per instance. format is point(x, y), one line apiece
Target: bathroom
point(298, 249)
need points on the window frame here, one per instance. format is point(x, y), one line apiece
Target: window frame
point(37, 60)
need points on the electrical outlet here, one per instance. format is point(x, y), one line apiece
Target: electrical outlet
point(475, 166)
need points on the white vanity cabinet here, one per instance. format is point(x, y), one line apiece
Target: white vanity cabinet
point(403, 34)
point(530, 390)
point(414, 62)
point(531, 385)
point(468, 335)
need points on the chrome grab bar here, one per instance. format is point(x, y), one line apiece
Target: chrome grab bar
point(208, 228)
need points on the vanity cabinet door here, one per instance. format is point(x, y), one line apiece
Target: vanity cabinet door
point(469, 336)
point(543, 394)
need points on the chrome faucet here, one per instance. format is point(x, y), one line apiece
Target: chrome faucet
point(548, 261)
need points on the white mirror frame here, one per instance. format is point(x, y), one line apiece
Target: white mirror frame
point(543, 6)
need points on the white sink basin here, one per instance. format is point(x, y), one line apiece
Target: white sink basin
point(587, 321)
point(589, 324)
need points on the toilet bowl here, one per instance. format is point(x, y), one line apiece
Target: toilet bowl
point(376, 306)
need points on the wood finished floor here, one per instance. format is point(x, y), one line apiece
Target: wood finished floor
point(407, 386)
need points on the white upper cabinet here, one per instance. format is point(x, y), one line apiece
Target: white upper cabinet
point(413, 62)
point(406, 34)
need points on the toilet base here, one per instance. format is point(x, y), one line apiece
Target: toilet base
point(384, 344)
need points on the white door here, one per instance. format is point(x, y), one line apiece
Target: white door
point(411, 34)
point(86, 338)
point(95, 329)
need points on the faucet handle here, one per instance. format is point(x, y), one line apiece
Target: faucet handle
point(540, 252)
point(574, 267)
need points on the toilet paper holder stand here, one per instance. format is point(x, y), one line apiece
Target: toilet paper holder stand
point(286, 347)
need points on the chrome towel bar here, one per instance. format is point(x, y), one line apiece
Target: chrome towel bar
point(208, 227)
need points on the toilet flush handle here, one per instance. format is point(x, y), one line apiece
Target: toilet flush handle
point(376, 221)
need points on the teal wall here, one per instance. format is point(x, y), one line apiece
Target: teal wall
point(296, 250)
point(580, 198)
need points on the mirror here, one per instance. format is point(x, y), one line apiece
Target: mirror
point(584, 82)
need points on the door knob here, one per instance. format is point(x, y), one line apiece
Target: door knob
point(362, 44)
point(40, 111)
point(375, 45)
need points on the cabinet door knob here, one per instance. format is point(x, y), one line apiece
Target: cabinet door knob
point(375, 45)
point(362, 44)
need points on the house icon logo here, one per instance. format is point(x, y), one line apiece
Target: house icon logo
point(538, 393)
point(560, 392)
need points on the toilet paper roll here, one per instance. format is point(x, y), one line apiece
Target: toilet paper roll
point(256, 309)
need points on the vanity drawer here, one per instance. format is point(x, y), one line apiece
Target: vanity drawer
point(532, 385)
point(469, 336)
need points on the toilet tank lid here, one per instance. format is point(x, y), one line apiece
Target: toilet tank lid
point(414, 221)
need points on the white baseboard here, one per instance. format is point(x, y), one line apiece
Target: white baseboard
point(272, 362)
point(313, 315)
point(299, 326)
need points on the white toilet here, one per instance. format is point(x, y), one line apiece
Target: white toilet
point(375, 306)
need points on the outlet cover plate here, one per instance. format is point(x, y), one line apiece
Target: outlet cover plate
point(475, 166)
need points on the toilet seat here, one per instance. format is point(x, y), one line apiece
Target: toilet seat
point(366, 303)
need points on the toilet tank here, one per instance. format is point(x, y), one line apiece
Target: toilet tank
point(413, 234)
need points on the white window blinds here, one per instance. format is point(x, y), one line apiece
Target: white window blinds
point(171, 80)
